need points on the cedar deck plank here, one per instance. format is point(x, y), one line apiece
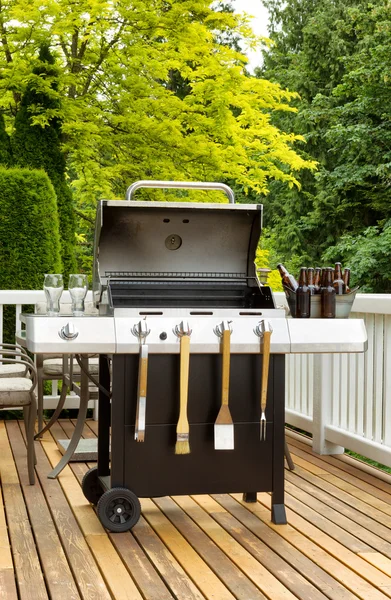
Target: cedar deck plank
point(209, 584)
point(347, 566)
point(382, 496)
point(169, 568)
point(137, 563)
point(93, 425)
point(7, 585)
point(227, 570)
point(58, 576)
point(150, 585)
point(322, 558)
point(339, 543)
point(117, 578)
point(82, 562)
point(339, 462)
point(7, 574)
point(248, 552)
point(354, 501)
point(28, 573)
point(353, 509)
point(30, 582)
point(309, 569)
point(322, 504)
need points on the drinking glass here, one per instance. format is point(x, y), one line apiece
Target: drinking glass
point(78, 286)
point(53, 286)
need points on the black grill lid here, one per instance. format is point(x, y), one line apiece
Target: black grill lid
point(175, 241)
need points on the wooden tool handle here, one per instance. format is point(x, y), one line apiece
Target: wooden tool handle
point(183, 424)
point(143, 371)
point(265, 367)
point(226, 344)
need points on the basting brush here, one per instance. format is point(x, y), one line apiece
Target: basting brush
point(182, 445)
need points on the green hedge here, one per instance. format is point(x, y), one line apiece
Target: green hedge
point(29, 231)
point(29, 237)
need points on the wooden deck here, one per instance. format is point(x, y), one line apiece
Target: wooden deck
point(337, 544)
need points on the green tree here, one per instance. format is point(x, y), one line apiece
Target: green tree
point(335, 55)
point(5, 144)
point(121, 119)
point(38, 145)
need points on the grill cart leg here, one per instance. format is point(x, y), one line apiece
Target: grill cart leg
point(119, 510)
point(278, 514)
point(104, 418)
point(250, 497)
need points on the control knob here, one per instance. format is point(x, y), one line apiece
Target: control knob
point(68, 332)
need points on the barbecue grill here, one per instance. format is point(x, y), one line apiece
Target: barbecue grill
point(164, 271)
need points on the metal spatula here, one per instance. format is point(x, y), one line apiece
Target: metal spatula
point(224, 427)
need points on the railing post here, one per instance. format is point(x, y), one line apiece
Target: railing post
point(322, 404)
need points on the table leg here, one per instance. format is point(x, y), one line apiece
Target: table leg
point(79, 423)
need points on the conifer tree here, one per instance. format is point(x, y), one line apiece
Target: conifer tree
point(39, 146)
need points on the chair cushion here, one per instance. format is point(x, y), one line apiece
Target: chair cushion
point(15, 391)
point(14, 400)
point(54, 366)
point(12, 370)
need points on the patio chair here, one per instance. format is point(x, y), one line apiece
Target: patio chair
point(18, 378)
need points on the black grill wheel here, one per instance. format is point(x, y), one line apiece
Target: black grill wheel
point(91, 486)
point(119, 510)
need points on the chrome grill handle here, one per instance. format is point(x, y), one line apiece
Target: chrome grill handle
point(180, 185)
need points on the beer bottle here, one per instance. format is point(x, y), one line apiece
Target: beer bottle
point(346, 279)
point(318, 280)
point(303, 297)
point(310, 280)
point(338, 282)
point(328, 296)
point(287, 278)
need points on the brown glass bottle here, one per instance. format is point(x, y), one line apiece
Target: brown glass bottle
point(303, 297)
point(338, 282)
point(318, 280)
point(346, 279)
point(287, 278)
point(310, 280)
point(328, 296)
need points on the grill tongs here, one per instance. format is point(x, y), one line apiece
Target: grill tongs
point(264, 330)
point(141, 331)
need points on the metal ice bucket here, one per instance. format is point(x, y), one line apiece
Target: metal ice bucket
point(343, 308)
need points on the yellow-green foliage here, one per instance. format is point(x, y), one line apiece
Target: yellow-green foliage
point(262, 262)
point(149, 90)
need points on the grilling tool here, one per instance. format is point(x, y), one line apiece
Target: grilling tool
point(141, 331)
point(224, 427)
point(182, 445)
point(264, 331)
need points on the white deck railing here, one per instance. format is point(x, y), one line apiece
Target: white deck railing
point(343, 400)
